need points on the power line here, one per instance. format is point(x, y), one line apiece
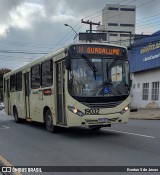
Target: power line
point(21, 52)
point(101, 10)
point(91, 18)
point(136, 8)
point(82, 25)
point(124, 5)
point(140, 26)
point(148, 17)
point(119, 13)
point(28, 44)
point(140, 45)
point(24, 52)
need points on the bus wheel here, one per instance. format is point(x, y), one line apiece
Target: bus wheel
point(15, 114)
point(95, 128)
point(49, 122)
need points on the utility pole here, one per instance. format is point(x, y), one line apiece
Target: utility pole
point(91, 24)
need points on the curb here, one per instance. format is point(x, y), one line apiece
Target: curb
point(144, 118)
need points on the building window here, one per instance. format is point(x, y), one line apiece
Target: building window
point(124, 35)
point(112, 24)
point(35, 77)
point(19, 81)
point(127, 9)
point(145, 91)
point(112, 8)
point(127, 25)
point(138, 85)
point(13, 83)
point(155, 91)
point(47, 73)
point(134, 86)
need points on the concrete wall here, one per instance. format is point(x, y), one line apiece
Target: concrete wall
point(137, 91)
point(118, 17)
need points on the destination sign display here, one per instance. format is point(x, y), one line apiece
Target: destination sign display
point(97, 49)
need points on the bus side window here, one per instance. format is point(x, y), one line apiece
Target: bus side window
point(47, 73)
point(4, 85)
point(13, 83)
point(19, 81)
point(35, 77)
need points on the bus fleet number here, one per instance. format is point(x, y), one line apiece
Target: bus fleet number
point(92, 111)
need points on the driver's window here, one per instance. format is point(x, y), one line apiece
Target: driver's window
point(116, 73)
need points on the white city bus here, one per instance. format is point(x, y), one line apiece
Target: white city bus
point(78, 85)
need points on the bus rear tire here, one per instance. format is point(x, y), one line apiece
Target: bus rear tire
point(49, 122)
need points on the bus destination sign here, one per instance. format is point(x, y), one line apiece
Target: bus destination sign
point(102, 50)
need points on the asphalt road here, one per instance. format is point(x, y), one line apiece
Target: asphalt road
point(29, 144)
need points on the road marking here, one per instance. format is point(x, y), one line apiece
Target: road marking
point(3, 127)
point(130, 133)
point(4, 163)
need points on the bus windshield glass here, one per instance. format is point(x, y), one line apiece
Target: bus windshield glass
point(93, 75)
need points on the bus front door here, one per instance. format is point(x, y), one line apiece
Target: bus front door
point(27, 93)
point(60, 77)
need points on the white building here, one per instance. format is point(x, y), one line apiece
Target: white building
point(118, 18)
point(144, 59)
point(145, 89)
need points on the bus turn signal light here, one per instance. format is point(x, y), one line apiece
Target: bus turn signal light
point(47, 92)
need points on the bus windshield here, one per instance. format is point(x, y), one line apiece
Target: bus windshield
point(98, 76)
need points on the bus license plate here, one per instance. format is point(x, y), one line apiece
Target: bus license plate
point(102, 120)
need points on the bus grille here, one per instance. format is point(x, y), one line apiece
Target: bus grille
point(102, 105)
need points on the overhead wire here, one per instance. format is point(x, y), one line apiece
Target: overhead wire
point(86, 18)
point(136, 8)
point(21, 44)
point(59, 43)
point(124, 5)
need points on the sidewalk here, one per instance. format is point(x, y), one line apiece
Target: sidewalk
point(146, 114)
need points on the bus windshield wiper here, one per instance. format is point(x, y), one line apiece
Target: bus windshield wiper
point(108, 67)
point(112, 63)
point(90, 64)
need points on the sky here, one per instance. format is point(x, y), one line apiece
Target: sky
point(31, 28)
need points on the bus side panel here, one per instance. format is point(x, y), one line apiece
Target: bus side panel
point(17, 101)
point(48, 101)
point(38, 101)
point(35, 105)
point(13, 101)
point(20, 104)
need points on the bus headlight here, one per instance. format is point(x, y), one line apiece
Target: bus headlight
point(75, 111)
point(124, 110)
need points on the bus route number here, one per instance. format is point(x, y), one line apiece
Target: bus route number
point(92, 111)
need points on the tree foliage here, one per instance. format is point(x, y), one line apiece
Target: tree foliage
point(2, 72)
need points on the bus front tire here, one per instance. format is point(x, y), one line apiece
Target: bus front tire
point(95, 128)
point(49, 122)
